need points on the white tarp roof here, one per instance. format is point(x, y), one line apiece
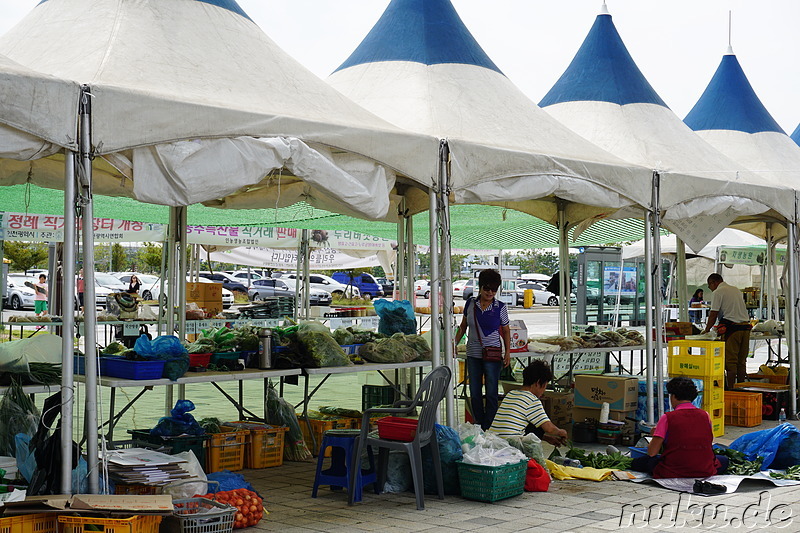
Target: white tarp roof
point(165, 73)
point(604, 97)
point(422, 70)
point(730, 117)
point(726, 237)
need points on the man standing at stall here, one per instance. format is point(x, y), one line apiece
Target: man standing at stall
point(727, 305)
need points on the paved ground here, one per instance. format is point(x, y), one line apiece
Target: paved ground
point(581, 506)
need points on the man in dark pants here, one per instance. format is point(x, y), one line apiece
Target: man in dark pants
point(727, 305)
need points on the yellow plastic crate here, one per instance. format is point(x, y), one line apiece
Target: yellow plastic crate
point(30, 523)
point(696, 359)
point(318, 429)
point(265, 448)
point(134, 524)
point(713, 391)
point(717, 414)
point(226, 450)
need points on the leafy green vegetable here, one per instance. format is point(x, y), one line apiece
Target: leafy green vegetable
point(793, 472)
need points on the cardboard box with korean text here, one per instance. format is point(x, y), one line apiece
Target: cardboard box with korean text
point(620, 392)
point(558, 406)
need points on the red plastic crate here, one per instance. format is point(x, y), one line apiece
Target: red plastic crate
point(199, 359)
point(396, 428)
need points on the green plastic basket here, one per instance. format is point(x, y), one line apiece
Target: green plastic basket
point(491, 483)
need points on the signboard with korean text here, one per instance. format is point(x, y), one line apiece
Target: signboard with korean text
point(584, 363)
point(748, 255)
point(50, 228)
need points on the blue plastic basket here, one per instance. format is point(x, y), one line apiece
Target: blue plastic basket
point(119, 367)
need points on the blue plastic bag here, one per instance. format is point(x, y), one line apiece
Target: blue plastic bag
point(767, 443)
point(449, 452)
point(395, 316)
point(180, 423)
point(228, 481)
point(166, 347)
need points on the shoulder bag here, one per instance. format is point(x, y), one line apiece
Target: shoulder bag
point(493, 354)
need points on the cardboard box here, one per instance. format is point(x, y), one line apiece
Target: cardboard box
point(195, 292)
point(93, 504)
point(679, 328)
point(620, 392)
point(558, 406)
point(211, 308)
point(519, 336)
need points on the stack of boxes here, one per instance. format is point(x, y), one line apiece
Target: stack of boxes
point(702, 360)
point(207, 296)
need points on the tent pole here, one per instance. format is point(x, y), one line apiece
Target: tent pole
point(90, 309)
point(399, 278)
point(773, 262)
point(306, 275)
point(180, 237)
point(791, 313)
point(68, 320)
point(648, 315)
point(564, 304)
point(172, 291)
point(683, 288)
point(447, 285)
point(411, 259)
point(657, 296)
point(768, 289)
point(433, 224)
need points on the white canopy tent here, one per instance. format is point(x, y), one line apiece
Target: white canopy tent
point(187, 101)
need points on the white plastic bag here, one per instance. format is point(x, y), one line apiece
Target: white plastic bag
point(486, 448)
point(181, 489)
point(145, 313)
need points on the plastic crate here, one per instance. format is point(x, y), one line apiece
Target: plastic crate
point(717, 414)
point(491, 483)
point(181, 443)
point(264, 445)
point(134, 524)
point(318, 429)
point(742, 409)
point(200, 515)
point(396, 428)
point(119, 367)
point(199, 360)
point(226, 359)
point(696, 359)
point(30, 523)
point(376, 395)
point(713, 391)
point(226, 450)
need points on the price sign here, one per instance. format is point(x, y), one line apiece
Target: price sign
point(335, 323)
point(191, 327)
point(217, 324)
point(585, 363)
point(272, 322)
point(130, 330)
point(370, 322)
point(203, 324)
point(258, 323)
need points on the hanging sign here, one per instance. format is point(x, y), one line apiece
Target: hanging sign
point(748, 255)
point(50, 228)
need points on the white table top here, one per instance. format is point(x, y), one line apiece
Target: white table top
point(518, 355)
point(365, 367)
point(196, 377)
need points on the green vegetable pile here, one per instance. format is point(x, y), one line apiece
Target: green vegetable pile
point(339, 412)
point(738, 464)
point(614, 461)
point(211, 425)
point(793, 472)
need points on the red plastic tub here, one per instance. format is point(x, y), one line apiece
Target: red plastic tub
point(396, 428)
point(199, 359)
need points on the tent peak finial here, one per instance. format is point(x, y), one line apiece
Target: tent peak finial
point(729, 52)
point(604, 9)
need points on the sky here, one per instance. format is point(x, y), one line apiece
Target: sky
point(677, 44)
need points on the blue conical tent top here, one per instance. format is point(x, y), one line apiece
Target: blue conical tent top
point(730, 103)
point(422, 31)
point(602, 70)
point(796, 135)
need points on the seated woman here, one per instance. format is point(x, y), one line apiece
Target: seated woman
point(521, 411)
point(686, 435)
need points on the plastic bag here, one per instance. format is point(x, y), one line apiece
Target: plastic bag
point(42, 348)
point(19, 416)
point(765, 443)
point(395, 316)
point(146, 313)
point(166, 347)
point(183, 489)
point(319, 342)
point(281, 413)
point(344, 336)
point(228, 481)
point(180, 423)
point(391, 350)
point(398, 472)
point(449, 452)
point(536, 478)
point(419, 345)
point(530, 445)
point(487, 448)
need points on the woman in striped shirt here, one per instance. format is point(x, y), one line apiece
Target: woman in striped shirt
point(491, 315)
point(521, 411)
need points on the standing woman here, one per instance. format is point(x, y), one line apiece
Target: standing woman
point(487, 320)
point(133, 286)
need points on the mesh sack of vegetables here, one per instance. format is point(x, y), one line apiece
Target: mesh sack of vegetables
point(395, 316)
point(419, 345)
point(319, 342)
point(389, 350)
point(281, 413)
point(344, 336)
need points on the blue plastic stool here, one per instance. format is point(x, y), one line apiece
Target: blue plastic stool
point(343, 443)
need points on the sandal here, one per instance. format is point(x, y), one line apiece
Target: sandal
point(706, 487)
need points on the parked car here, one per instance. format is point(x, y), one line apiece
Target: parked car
point(17, 295)
point(366, 283)
point(541, 295)
point(469, 289)
point(422, 287)
point(387, 285)
point(228, 281)
point(458, 287)
point(241, 275)
point(264, 288)
point(326, 283)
